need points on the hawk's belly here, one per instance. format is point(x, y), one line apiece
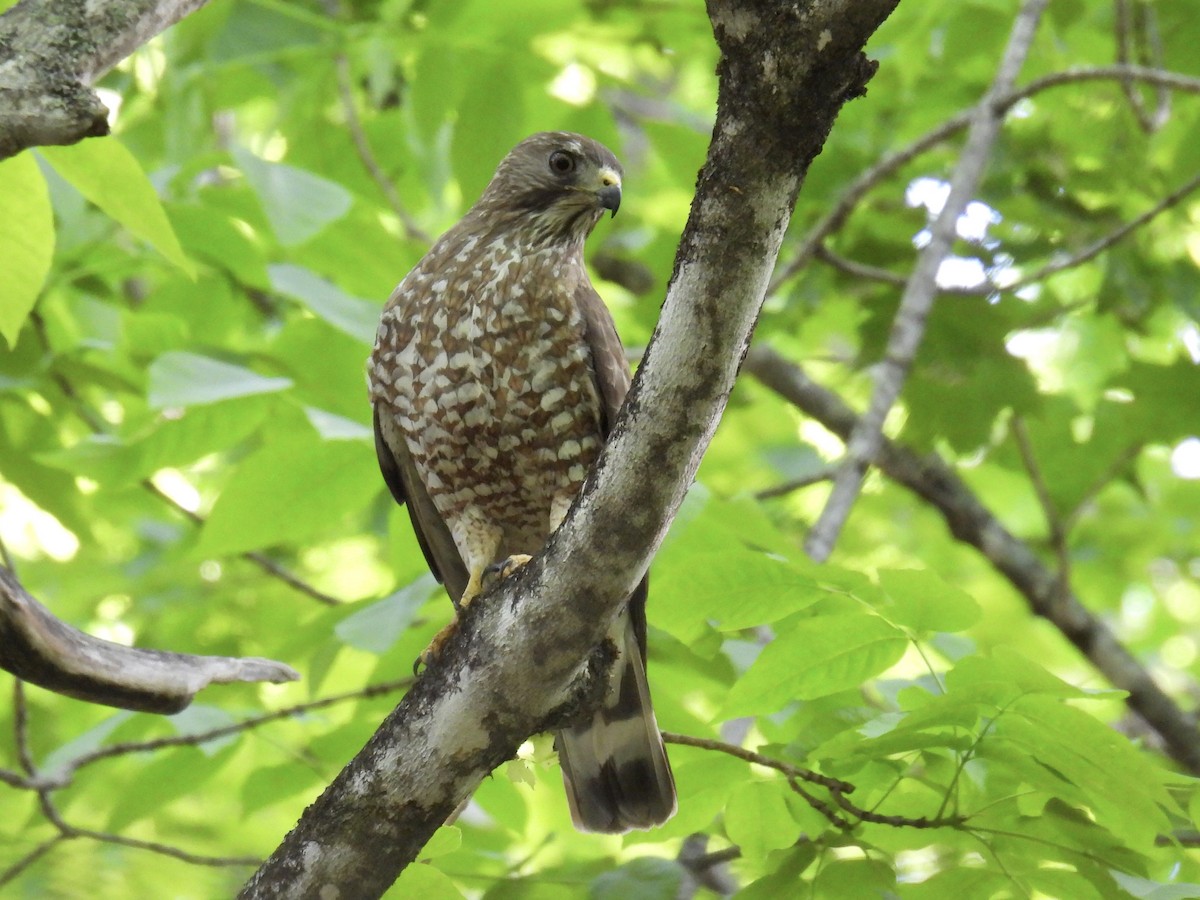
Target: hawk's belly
point(500, 412)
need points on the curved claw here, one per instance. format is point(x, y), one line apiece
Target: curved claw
point(501, 570)
point(434, 650)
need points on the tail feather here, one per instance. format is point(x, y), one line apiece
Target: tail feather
point(615, 767)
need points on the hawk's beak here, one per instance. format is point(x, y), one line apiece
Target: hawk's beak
point(609, 193)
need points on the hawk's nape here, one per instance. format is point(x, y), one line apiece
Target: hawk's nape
point(495, 376)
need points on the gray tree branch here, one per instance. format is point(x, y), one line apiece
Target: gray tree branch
point(932, 479)
point(921, 290)
point(51, 51)
point(45, 651)
point(520, 663)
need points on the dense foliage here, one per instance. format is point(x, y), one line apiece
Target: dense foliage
point(186, 459)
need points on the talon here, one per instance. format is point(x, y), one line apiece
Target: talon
point(501, 570)
point(434, 650)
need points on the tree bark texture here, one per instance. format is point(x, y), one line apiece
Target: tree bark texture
point(51, 51)
point(45, 651)
point(524, 660)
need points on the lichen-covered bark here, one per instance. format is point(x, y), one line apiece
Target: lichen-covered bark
point(516, 667)
point(52, 50)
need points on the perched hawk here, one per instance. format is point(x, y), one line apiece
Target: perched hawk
point(495, 378)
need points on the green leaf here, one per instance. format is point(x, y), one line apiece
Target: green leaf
point(817, 657)
point(357, 318)
point(377, 627)
point(1144, 889)
point(298, 204)
point(188, 379)
point(291, 489)
point(757, 819)
point(110, 176)
point(1005, 676)
point(268, 785)
point(333, 427)
point(1125, 787)
point(423, 881)
point(854, 878)
point(163, 780)
point(646, 878)
point(27, 236)
point(920, 600)
point(90, 740)
point(445, 840)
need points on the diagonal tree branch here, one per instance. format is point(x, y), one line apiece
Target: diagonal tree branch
point(970, 521)
point(520, 662)
point(45, 651)
point(909, 326)
point(52, 50)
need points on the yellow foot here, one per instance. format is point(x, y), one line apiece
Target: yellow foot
point(434, 650)
point(504, 568)
point(430, 653)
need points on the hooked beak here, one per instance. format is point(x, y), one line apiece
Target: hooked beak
point(609, 192)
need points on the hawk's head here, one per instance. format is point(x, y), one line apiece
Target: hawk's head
point(554, 186)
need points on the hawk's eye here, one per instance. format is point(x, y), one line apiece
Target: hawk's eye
point(562, 162)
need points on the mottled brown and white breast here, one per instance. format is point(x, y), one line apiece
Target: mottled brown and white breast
point(487, 375)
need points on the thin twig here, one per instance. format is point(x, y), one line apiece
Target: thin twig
point(194, 859)
point(1137, 30)
point(825, 473)
point(202, 737)
point(932, 479)
point(14, 871)
point(833, 220)
point(859, 269)
point(837, 788)
point(917, 302)
point(362, 145)
point(686, 740)
point(1056, 531)
point(21, 729)
point(100, 427)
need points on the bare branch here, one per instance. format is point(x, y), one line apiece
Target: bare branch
point(1138, 35)
point(889, 165)
point(362, 146)
point(909, 326)
point(1054, 521)
point(970, 522)
point(1055, 265)
point(212, 734)
point(41, 649)
point(52, 50)
point(837, 788)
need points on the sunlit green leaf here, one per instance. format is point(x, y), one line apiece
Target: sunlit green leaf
point(376, 627)
point(817, 656)
point(923, 602)
point(357, 318)
point(27, 235)
point(757, 818)
point(298, 204)
point(291, 489)
point(188, 379)
point(107, 174)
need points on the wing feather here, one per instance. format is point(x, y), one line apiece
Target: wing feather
point(437, 544)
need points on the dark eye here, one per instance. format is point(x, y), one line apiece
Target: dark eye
point(562, 162)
